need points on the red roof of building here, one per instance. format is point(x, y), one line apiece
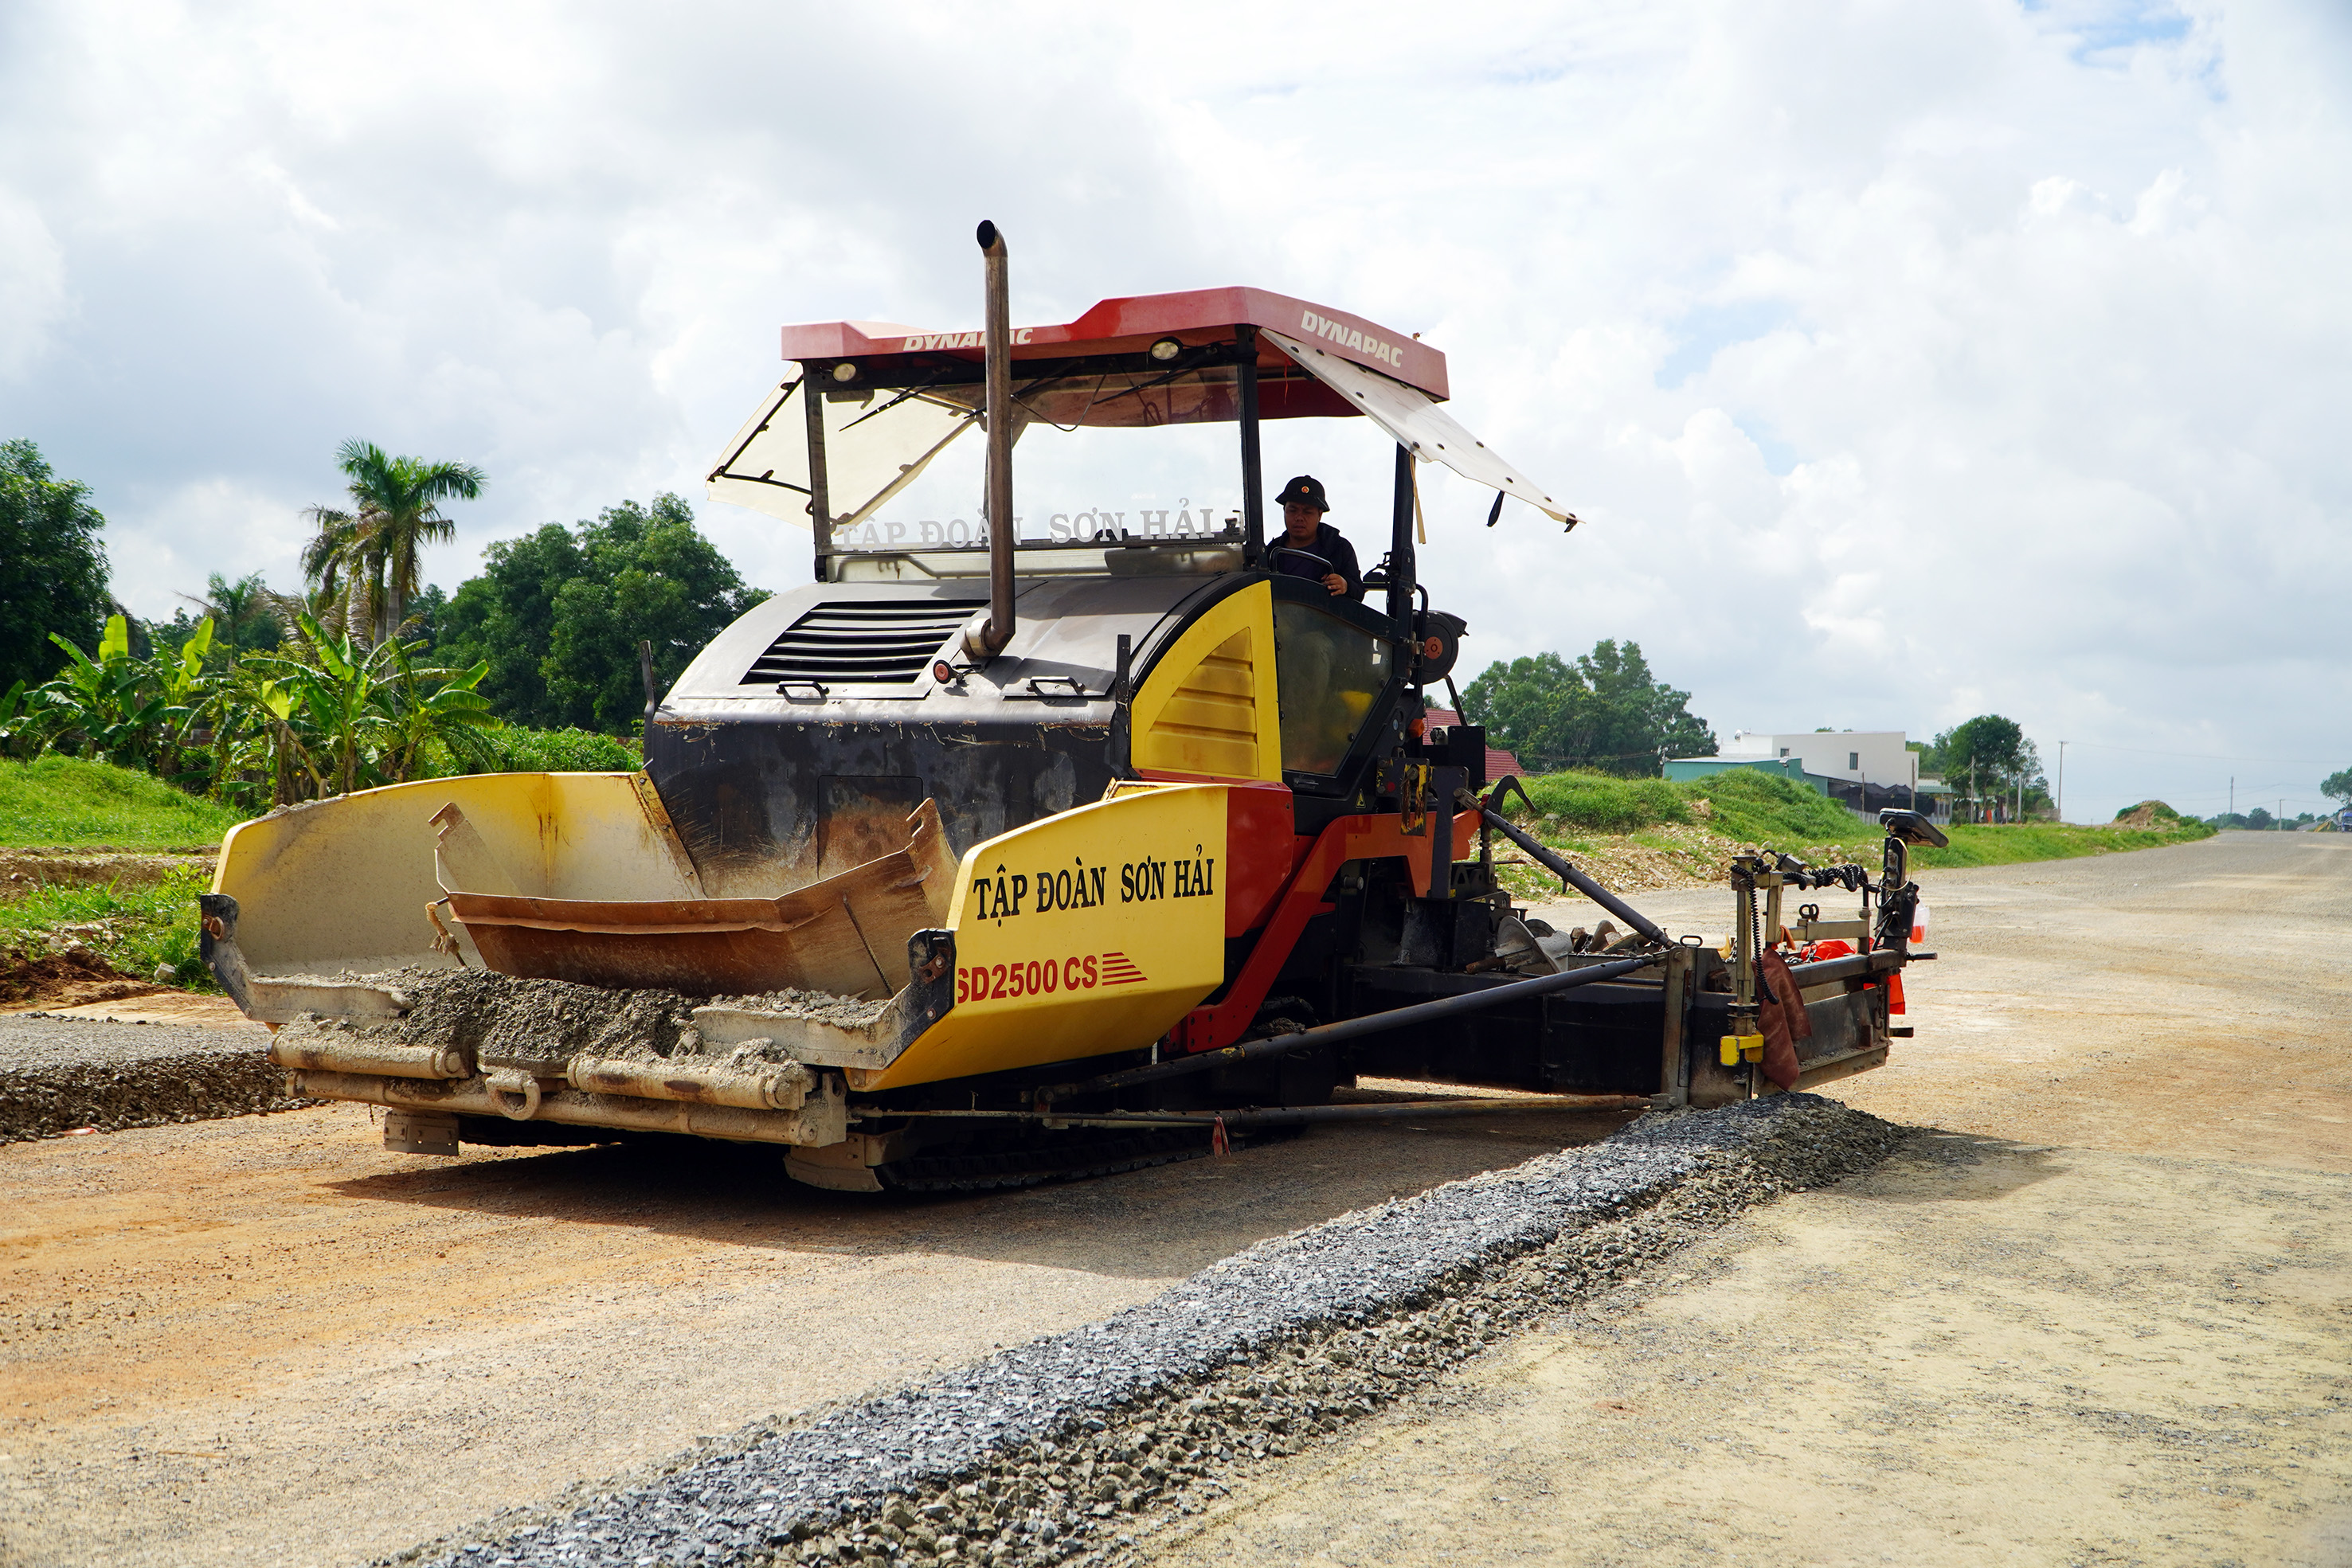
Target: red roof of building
point(1501, 764)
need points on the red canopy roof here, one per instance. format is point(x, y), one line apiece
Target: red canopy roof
point(1130, 325)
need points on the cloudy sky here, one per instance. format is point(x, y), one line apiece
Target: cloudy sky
point(1907, 360)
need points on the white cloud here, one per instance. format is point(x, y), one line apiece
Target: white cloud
point(1904, 360)
point(32, 284)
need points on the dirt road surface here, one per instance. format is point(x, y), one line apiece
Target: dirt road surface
point(2104, 1317)
point(269, 1341)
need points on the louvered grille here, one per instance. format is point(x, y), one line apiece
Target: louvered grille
point(866, 642)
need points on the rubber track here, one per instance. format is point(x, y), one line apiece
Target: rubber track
point(1103, 1154)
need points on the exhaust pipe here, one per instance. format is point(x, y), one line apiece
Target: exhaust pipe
point(997, 366)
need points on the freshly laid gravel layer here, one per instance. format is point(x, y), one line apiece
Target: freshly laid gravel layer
point(1064, 1448)
point(60, 1074)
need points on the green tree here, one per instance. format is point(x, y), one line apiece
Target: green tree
point(1607, 711)
point(1520, 703)
point(424, 613)
point(244, 616)
point(1987, 759)
point(2338, 787)
point(52, 566)
point(244, 612)
point(368, 555)
point(558, 614)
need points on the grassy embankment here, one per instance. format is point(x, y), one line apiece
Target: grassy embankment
point(1652, 832)
point(63, 802)
point(131, 917)
point(134, 913)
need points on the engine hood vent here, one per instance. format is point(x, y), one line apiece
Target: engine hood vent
point(861, 641)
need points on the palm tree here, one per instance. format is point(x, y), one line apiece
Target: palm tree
point(367, 556)
point(240, 610)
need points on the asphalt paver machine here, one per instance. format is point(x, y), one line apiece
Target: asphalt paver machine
point(1021, 843)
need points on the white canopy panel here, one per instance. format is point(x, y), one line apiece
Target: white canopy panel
point(1418, 423)
point(765, 465)
point(875, 445)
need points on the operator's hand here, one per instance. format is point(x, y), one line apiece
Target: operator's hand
point(1335, 582)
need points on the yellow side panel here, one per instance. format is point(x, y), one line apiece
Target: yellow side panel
point(343, 883)
point(1089, 931)
point(1208, 708)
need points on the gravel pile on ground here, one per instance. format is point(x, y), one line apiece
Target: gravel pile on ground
point(1065, 1448)
point(60, 1074)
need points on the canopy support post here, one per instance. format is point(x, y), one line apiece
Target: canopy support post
point(1402, 564)
point(1253, 476)
point(820, 503)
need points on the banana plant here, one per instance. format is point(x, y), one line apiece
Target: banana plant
point(324, 714)
point(326, 690)
point(186, 686)
point(452, 715)
point(108, 706)
point(13, 716)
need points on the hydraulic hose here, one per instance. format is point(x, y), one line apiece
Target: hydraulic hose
point(1351, 1029)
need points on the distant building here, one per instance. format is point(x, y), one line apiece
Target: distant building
point(1867, 770)
point(1880, 756)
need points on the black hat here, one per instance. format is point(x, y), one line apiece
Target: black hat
point(1305, 490)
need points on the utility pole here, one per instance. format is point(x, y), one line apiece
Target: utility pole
point(2233, 794)
point(2058, 806)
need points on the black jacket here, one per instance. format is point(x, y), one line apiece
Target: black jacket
point(1330, 546)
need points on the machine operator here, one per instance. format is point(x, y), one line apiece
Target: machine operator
point(1310, 545)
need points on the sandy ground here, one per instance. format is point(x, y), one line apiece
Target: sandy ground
point(2101, 1317)
point(269, 1340)
point(160, 1005)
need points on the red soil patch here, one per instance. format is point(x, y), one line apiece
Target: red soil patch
point(64, 980)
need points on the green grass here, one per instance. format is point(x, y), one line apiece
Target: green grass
point(1602, 803)
point(1742, 803)
point(65, 802)
point(133, 928)
point(1751, 807)
point(2005, 844)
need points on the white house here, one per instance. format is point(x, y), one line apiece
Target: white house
point(1875, 756)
